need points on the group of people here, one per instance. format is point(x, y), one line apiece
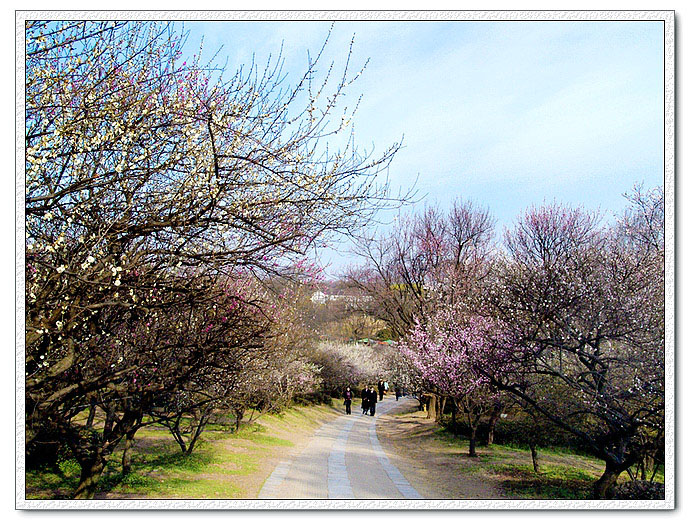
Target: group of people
point(369, 401)
point(369, 398)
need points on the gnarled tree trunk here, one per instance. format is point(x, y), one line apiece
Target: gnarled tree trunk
point(602, 488)
point(431, 405)
point(92, 413)
point(440, 405)
point(91, 472)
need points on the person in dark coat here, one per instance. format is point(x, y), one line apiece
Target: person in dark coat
point(398, 392)
point(382, 388)
point(365, 400)
point(372, 401)
point(348, 400)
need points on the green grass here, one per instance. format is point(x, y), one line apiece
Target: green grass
point(553, 481)
point(297, 417)
point(564, 474)
point(256, 433)
point(164, 471)
point(49, 483)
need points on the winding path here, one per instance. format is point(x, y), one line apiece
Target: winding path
point(343, 460)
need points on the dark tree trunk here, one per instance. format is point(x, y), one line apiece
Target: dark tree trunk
point(454, 417)
point(196, 432)
point(473, 441)
point(178, 436)
point(439, 410)
point(647, 464)
point(109, 422)
point(127, 453)
point(535, 456)
point(92, 413)
point(239, 414)
point(92, 449)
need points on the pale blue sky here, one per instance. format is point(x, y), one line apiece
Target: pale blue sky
point(507, 114)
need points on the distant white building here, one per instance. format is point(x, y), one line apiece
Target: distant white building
point(319, 297)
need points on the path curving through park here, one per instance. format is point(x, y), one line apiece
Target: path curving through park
point(343, 460)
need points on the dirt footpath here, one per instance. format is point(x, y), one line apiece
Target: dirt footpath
point(434, 469)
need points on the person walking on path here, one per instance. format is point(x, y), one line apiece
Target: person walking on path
point(381, 389)
point(365, 400)
point(398, 392)
point(372, 402)
point(348, 401)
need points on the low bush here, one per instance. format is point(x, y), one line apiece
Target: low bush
point(313, 398)
point(516, 431)
point(639, 490)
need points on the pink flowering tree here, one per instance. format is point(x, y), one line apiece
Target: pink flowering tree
point(428, 260)
point(455, 354)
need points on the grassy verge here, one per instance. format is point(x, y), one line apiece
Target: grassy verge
point(224, 465)
point(564, 474)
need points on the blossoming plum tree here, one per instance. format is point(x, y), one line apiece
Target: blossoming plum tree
point(429, 260)
point(150, 181)
point(584, 313)
point(453, 350)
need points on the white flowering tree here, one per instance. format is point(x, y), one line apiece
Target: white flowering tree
point(585, 313)
point(148, 178)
